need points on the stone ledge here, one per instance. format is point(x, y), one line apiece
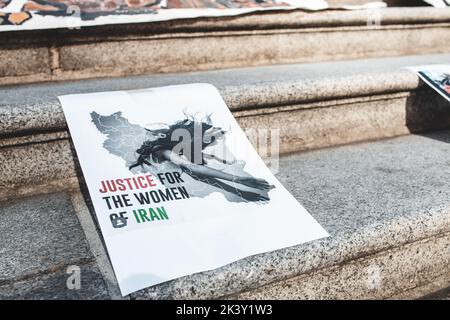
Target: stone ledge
point(375, 199)
point(377, 276)
point(256, 21)
point(217, 43)
point(361, 100)
point(35, 108)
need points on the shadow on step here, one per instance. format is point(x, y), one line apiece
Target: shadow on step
point(443, 294)
point(426, 112)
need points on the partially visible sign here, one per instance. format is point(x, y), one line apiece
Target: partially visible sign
point(50, 14)
point(176, 185)
point(438, 3)
point(436, 76)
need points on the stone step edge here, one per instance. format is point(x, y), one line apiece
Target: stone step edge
point(271, 287)
point(368, 281)
point(89, 53)
point(22, 119)
point(256, 22)
point(37, 131)
point(33, 128)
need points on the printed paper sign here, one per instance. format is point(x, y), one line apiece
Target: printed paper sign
point(176, 185)
point(436, 76)
point(74, 14)
point(50, 14)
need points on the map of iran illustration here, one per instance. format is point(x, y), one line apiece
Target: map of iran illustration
point(143, 152)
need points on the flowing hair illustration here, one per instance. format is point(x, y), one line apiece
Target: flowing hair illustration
point(161, 149)
point(161, 145)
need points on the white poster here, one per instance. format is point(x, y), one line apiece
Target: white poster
point(73, 14)
point(436, 76)
point(176, 185)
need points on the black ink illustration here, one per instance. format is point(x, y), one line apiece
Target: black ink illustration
point(439, 80)
point(158, 150)
point(91, 9)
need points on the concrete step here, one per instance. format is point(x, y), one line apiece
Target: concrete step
point(386, 205)
point(312, 105)
point(214, 43)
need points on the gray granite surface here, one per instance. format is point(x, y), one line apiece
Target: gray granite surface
point(380, 276)
point(35, 107)
point(256, 39)
point(370, 197)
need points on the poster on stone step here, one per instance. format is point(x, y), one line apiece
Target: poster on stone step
point(176, 185)
point(74, 14)
point(436, 76)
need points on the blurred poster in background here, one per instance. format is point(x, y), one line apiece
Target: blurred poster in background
point(176, 185)
point(436, 76)
point(49, 14)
